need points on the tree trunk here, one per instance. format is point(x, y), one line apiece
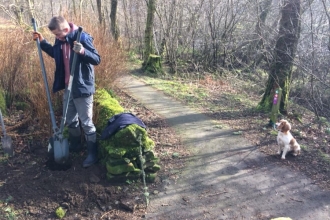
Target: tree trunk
point(74, 8)
point(153, 64)
point(30, 9)
point(285, 50)
point(17, 10)
point(328, 16)
point(148, 36)
point(52, 7)
point(263, 9)
point(81, 9)
point(128, 25)
point(113, 18)
point(99, 10)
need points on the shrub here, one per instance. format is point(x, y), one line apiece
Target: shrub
point(21, 74)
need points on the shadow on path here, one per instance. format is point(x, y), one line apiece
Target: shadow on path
point(227, 177)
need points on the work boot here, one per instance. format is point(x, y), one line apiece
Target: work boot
point(91, 150)
point(75, 139)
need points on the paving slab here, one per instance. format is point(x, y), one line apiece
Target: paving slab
point(226, 177)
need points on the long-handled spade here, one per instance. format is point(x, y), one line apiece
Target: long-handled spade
point(59, 145)
point(53, 139)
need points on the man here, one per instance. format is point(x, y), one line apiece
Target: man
point(83, 84)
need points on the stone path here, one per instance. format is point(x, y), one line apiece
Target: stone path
point(227, 177)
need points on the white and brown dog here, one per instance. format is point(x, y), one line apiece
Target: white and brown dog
point(285, 140)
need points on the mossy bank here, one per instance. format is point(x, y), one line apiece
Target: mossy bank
point(120, 153)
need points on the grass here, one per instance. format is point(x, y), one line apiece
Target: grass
point(6, 211)
point(325, 157)
point(304, 147)
point(327, 130)
point(198, 94)
point(186, 91)
point(232, 102)
point(3, 158)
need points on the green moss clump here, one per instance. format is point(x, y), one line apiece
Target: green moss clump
point(115, 152)
point(129, 137)
point(125, 143)
point(153, 64)
point(121, 178)
point(120, 153)
point(154, 168)
point(119, 169)
point(65, 132)
point(106, 107)
point(151, 163)
point(151, 177)
point(150, 155)
point(60, 212)
point(22, 106)
point(121, 161)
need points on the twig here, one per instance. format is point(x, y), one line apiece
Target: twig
point(106, 213)
point(296, 200)
point(31, 134)
point(20, 124)
point(218, 193)
point(212, 194)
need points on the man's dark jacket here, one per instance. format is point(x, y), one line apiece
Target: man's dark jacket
point(83, 83)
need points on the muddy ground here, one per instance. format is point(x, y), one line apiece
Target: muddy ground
point(32, 188)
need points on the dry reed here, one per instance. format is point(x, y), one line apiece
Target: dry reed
point(21, 75)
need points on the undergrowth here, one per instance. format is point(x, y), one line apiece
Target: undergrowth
point(21, 74)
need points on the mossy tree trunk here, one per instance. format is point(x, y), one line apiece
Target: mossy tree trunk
point(113, 17)
point(285, 50)
point(148, 34)
point(153, 64)
point(100, 11)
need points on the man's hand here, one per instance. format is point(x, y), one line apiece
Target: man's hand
point(78, 48)
point(37, 35)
